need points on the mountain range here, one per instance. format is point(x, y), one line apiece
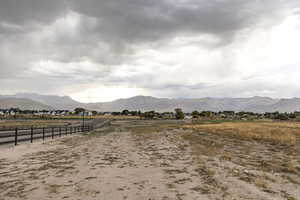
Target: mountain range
point(23, 104)
point(146, 103)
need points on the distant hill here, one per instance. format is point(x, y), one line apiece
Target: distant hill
point(23, 104)
point(286, 105)
point(146, 103)
point(56, 102)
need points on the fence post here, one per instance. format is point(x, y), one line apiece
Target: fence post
point(16, 136)
point(66, 130)
point(71, 130)
point(52, 132)
point(31, 135)
point(43, 133)
point(59, 131)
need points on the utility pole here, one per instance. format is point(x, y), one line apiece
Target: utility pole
point(83, 121)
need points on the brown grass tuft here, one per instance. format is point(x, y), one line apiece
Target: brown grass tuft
point(278, 132)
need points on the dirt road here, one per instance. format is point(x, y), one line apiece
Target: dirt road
point(118, 163)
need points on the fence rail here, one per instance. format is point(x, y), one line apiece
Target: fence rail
point(30, 134)
point(25, 127)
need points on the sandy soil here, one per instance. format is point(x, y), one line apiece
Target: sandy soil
point(127, 161)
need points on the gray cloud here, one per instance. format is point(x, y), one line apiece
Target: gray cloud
point(120, 25)
point(147, 21)
point(111, 34)
point(27, 11)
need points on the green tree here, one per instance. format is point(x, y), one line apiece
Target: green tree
point(125, 112)
point(149, 115)
point(79, 110)
point(195, 114)
point(179, 114)
point(282, 116)
point(292, 116)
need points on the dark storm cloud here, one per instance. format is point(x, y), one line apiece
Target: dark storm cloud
point(148, 21)
point(108, 33)
point(119, 25)
point(26, 11)
point(129, 21)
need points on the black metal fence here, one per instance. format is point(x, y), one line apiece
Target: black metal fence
point(30, 134)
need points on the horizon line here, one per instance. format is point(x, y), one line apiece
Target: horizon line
point(171, 98)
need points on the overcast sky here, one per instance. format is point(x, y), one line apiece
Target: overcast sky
point(101, 50)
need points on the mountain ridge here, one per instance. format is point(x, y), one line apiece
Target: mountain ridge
point(146, 103)
point(24, 104)
point(54, 101)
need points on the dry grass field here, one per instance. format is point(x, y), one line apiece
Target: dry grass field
point(99, 117)
point(7, 124)
point(262, 155)
point(277, 132)
point(117, 117)
point(158, 160)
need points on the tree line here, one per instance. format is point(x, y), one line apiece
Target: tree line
point(178, 113)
